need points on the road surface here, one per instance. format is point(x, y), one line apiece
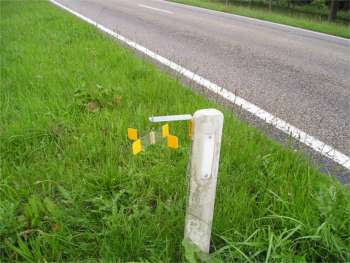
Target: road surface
point(299, 76)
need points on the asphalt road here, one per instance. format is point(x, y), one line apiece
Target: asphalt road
point(299, 76)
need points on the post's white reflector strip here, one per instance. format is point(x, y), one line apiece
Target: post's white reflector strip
point(184, 117)
point(208, 150)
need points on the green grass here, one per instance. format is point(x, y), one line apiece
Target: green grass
point(71, 189)
point(297, 20)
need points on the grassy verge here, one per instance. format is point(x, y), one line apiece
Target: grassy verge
point(71, 189)
point(301, 21)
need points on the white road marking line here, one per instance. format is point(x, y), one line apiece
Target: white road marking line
point(156, 9)
point(312, 142)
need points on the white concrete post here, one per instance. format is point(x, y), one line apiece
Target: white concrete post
point(204, 164)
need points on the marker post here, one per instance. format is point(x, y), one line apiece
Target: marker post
point(204, 164)
point(205, 130)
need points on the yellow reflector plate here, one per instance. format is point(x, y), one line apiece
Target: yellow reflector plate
point(165, 130)
point(136, 146)
point(172, 141)
point(132, 134)
point(190, 126)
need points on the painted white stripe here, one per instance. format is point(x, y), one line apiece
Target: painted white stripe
point(156, 9)
point(312, 142)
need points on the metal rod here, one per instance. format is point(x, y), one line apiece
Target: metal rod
point(169, 118)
